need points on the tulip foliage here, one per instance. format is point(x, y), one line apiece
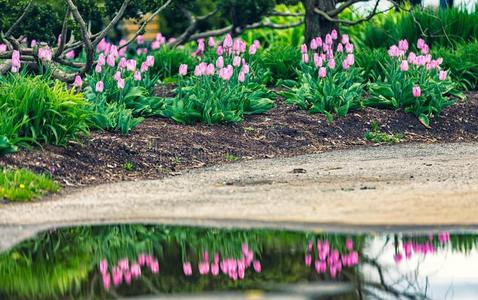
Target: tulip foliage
point(415, 83)
point(219, 92)
point(328, 81)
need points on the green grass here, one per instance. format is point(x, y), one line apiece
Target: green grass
point(128, 166)
point(24, 185)
point(379, 137)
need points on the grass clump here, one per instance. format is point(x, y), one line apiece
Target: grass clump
point(375, 135)
point(24, 185)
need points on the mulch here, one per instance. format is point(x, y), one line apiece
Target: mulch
point(160, 147)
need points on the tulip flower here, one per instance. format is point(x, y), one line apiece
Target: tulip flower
point(322, 72)
point(340, 48)
point(236, 62)
point(3, 48)
point(99, 87)
point(308, 260)
point(404, 66)
point(150, 60)
point(211, 42)
point(121, 83)
point(257, 266)
point(137, 76)
point(442, 75)
point(187, 269)
point(416, 91)
point(331, 63)
point(334, 34)
point(135, 270)
point(70, 54)
point(117, 76)
point(110, 60)
point(210, 69)
point(98, 68)
point(78, 81)
point(183, 69)
point(305, 58)
point(103, 266)
point(349, 244)
point(140, 39)
point(241, 77)
point(303, 48)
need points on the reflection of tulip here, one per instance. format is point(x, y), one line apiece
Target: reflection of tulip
point(308, 260)
point(135, 270)
point(203, 267)
point(117, 276)
point(320, 266)
point(349, 244)
point(103, 266)
point(187, 269)
point(215, 269)
point(142, 260)
point(154, 267)
point(106, 281)
point(257, 266)
point(127, 277)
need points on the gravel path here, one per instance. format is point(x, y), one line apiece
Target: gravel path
point(414, 185)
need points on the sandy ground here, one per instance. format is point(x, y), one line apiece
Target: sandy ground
point(414, 185)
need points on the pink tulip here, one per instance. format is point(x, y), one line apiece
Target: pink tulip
point(117, 76)
point(320, 266)
point(215, 269)
point(135, 270)
point(144, 67)
point(305, 58)
point(328, 39)
point(416, 91)
point(350, 59)
point(121, 83)
point(349, 244)
point(236, 62)
point(127, 277)
point(70, 54)
point(322, 72)
point(425, 49)
point(203, 268)
point(210, 69)
point(123, 63)
point(45, 54)
point(420, 43)
point(227, 43)
point(137, 76)
point(219, 50)
point(252, 49)
point(187, 269)
point(98, 69)
point(140, 39)
point(150, 60)
point(101, 60)
point(308, 260)
point(110, 60)
point(183, 69)
point(245, 68)
point(211, 42)
point(220, 62)
point(154, 267)
point(303, 49)
point(313, 44)
point(155, 45)
point(142, 259)
point(131, 65)
point(397, 258)
point(345, 39)
point(3, 48)
point(103, 266)
point(403, 45)
point(317, 60)
point(340, 48)
point(257, 266)
point(78, 81)
point(349, 48)
point(442, 75)
point(404, 66)
point(99, 87)
point(331, 63)
point(334, 34)
point(345, 65)
point(241, 77)
point(106, 281)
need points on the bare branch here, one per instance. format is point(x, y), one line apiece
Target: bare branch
point(145, 22)
point(64, 28)
point(355, 22)
point(19, 20)
point(341, 8)
point(211, 33)
point(86, 36)
point(193, 22)
point(286, 14)
point(113, 23)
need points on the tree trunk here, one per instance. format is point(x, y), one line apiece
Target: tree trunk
point(316, 25)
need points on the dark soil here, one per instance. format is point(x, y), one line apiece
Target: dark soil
point(160, 147)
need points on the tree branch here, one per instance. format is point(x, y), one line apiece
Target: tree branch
point(145, 22)
point(19, 20)
point(64, 28)
point(286, 14)
point(188, 34)
point(349, 22)
point(113, 23)
point(341, 8)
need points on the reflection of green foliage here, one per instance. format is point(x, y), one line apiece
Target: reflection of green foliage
point(49, 266)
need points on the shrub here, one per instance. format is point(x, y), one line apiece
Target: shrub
point(282, 61)
point(329, 83)
point(23, 185)
point(220, 92)
point(415, 83)
point(462, 62)
point(167, 61)
point(38, 110)
point(446, 27)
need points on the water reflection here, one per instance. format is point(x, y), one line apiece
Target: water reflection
point(97, 262)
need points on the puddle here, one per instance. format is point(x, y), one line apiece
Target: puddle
point(120, 261)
